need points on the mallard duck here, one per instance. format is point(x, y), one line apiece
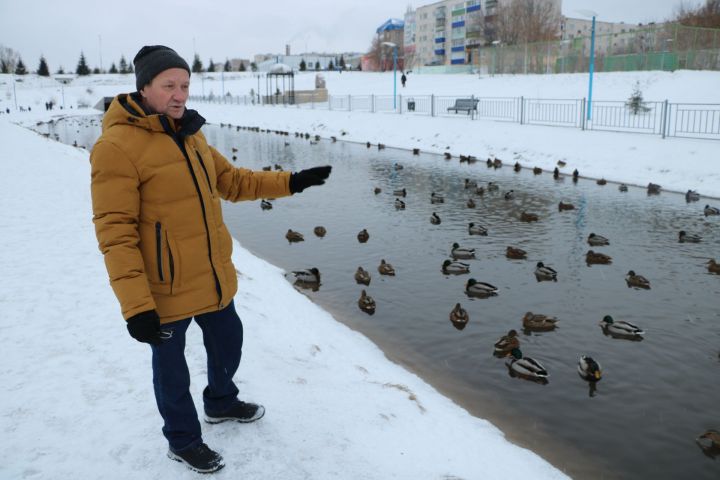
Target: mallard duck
point(398, 166)
point(597, 240)
point(592, 258)
point(692, 196)
point(319, 231)
point(473, 288)
point(448, 156)
point(709, 439)
point(492, 187)
point(537, 170)
point(278, 167)
point(363, 236)
point(362, 276)
point(477, 229)
point(556, 173)
point(506, 344)
point(294, 236)
point(470, 203)
point(489, 162)
point(561, 163)
point(526, 367)
point(653, 188)
point(575, 175)
point(713, 266)
point(368, 144)
point(459, 315)
point(565, 206)
point(538, 322)
point(435, 198)
point(589, 369)
point(267, 169)
point(602, 181)
point(622, 187)
point(637, 281)
point(435, 219)
point(480, 191)
point(317, 138)
point(462, 252)
point(366, 303)
point(497, 163)
point(463, 158)
point(509, 194)
point(400, 193)
point(455, 268)
point(545, 273)
point(265, 205)
point(377, 190)
point(684, 237)
point(310, 276)
point(515, 253)
point(711, 211)
point(333, 138)
point(528, 217)
point(517, 167)
point(470, 183)
point(620, 329)
point(399, 204)
point(385, 268)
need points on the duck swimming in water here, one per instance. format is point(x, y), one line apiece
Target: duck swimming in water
point(462, 252)
point(539, 323)
point(363, 236)
point(386, 269)
point(515, 253)
point(637, 281)
point(293, 236)
point(526, 367)
point(366, 303)
point(477, 229)
point(594, 258)
point(310, 276)
point(362, 276)
point(459, 315)
point(473, 288)
point(597, 240)
point(621, 329)
point(455, 268)
point(543, 272)
point(684, 237)
point(506, 344)
point(435, 219)
point(589, 369)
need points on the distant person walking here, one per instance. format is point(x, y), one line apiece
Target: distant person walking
point(156, 194)
point(403, 79)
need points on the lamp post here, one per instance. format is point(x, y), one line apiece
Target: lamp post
point(495, 44)
point(592, 14)
point(63, 81)
point(394, 47)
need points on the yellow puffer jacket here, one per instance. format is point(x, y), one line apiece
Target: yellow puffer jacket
point(156, 190)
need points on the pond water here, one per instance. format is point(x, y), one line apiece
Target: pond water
point(656, 395)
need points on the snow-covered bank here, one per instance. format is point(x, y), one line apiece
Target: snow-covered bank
point(78, 399)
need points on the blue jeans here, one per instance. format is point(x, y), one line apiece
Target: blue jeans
point(223, 338)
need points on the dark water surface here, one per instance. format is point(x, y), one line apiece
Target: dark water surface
point(656, 396)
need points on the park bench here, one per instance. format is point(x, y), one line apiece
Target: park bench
point(464, 104)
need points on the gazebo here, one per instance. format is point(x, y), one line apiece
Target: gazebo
point(280, 84)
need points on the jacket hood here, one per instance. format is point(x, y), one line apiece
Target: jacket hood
point(127, 109)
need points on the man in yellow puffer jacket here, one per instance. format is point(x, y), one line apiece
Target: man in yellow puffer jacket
point(156, 192)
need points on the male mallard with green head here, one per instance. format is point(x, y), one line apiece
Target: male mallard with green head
point(265, 205)
point(455, 268)
point(435, 219)
point(589, 369)
point(310, 276)
point(621, 329)
point(477, 229)
point(597, 240)
point(462, 252)
point(637, 281)
point(526, 367)
point(684, 237)
point(708, 210)
point(436, 198)
point(473, 288)
point(543, 272)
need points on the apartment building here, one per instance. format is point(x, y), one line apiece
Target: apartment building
point(610, 37)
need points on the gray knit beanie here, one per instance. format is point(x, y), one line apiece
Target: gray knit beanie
point(151, 60)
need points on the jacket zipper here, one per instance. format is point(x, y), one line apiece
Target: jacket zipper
point(158, 245)
point(180, 143)
point(202, 164)
point(172, 263)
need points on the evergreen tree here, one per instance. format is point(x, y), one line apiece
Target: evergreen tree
point(197, 66)
point(317, 66)
point(82, 68)
point(228, 67)
point(43, 70)
point(131, 69)
point(331, 66)
point(113, 68)
point(123, 65)
point(242, 67)
point(253, 66)
point(303, 65)
point(342, 62)
point(636, 103)
point(60, 71)
point(20, 69)
point(96, 70)
point(211, 66)
point(4, 67)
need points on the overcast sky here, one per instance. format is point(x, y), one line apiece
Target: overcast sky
point(221, 29)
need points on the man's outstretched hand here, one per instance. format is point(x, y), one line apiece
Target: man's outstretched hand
point(303, 179)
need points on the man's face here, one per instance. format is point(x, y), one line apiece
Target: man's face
point(168, 92)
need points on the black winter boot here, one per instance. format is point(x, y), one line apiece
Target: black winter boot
point(238, 412)
point(200, 459)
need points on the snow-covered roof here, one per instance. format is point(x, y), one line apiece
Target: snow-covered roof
point(280, 68)
point(391, 24)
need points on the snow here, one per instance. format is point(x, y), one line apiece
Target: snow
point(78, 399)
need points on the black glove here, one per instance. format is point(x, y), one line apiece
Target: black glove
point(145, 327)
point(307, 178)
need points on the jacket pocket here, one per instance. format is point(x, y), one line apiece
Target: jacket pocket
point(159, 250)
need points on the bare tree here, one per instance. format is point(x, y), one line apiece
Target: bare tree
point(375, 52)
point(527, 21)
point(707, 15)
point(8, 58)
